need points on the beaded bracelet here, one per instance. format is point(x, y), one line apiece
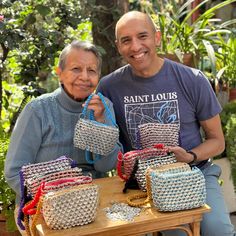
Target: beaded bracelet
point(147, 195)
point(137, 196)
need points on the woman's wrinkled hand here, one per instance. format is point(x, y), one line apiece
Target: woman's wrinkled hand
point(97, 106)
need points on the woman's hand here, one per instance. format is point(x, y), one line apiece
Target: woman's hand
point(97, 106)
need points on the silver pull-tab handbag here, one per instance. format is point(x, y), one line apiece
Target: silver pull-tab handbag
point(93, 136)
point(33, 173)
point(152, 133)
point(175, 189)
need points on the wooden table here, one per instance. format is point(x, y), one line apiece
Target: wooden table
point(150, 220)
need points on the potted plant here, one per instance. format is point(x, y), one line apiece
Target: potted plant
point(226, 62)
point(228, 120)
point(227, 160)
point(182, 38)
point(7, 196)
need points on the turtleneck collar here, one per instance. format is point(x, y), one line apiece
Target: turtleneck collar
point(67, 102)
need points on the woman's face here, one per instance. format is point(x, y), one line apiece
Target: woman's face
point(80, 75)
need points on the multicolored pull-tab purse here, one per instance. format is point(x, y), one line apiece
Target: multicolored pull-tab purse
point(135, 163)
point(125, 164)
point(33, 183)
point(64, 203)
point(94, 136)
point(173, 187)
point(38, 169)
point(35, 173)
point(151, 133)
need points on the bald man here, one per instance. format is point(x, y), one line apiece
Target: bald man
point(150, 89)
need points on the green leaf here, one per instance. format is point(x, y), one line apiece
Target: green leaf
point(43, 10)
point(211, 54)
point(30, 19)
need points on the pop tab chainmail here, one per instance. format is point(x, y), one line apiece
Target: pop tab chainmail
point(143, 165)
point(152, 133)
point(95, 137)
point(71, 207)
point(178, 189)
point(122, 211)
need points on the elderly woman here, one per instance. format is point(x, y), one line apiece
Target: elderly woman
point(45, 128)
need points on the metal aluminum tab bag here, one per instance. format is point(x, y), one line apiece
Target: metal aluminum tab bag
point(126, 161)
point(143, 165)
point(94, 136)
point(151, 133)
point(33, 183)
point(71, 207)
point(177, 189)
point(38, 169)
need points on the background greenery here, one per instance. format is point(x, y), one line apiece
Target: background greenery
point(32, 34)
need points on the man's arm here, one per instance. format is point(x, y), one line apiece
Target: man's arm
point(213, 144)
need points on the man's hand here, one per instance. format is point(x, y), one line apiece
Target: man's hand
point(181, 154)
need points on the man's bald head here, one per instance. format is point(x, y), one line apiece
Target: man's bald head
point(134, 15)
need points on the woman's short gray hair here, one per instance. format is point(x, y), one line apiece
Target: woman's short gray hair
point(84, 45)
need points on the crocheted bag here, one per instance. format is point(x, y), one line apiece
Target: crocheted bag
point(38, 169)
point(54, 185)
point(94, 136)
point(61, 198)
point(126, 161)
point(148, 195)
point(177, 189)
point(71, 207)
point(152, 133)
point(143, 165)
point(32, 184)
point(35, 171)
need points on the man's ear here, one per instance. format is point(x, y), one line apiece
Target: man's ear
point(117, 45)
point(158, 38)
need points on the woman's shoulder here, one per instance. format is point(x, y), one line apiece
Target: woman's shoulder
point(42, 101)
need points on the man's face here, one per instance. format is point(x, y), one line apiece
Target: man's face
point(136, 42)
point(80, 75)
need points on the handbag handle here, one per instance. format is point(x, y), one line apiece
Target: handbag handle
point(91, 115)
point(119, 165)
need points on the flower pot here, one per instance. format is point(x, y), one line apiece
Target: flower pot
point(189, 59)
point(232, 94)
point(3, 230)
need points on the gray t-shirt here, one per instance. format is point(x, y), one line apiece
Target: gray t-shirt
point(176, 94)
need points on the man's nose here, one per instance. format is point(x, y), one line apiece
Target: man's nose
point(135, 45)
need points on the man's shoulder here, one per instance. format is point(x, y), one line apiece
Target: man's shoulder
point(183, 68)
point(117, 74)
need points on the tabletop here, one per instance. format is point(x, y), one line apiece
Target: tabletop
point(149, 220)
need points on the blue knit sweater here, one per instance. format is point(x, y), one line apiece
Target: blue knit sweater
point(44, 131)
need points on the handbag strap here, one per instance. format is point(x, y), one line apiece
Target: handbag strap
point(36, 216)
point(89, 159)
point(91, 114)
point(147, 195)
point(29, 208)
point(119, 166)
